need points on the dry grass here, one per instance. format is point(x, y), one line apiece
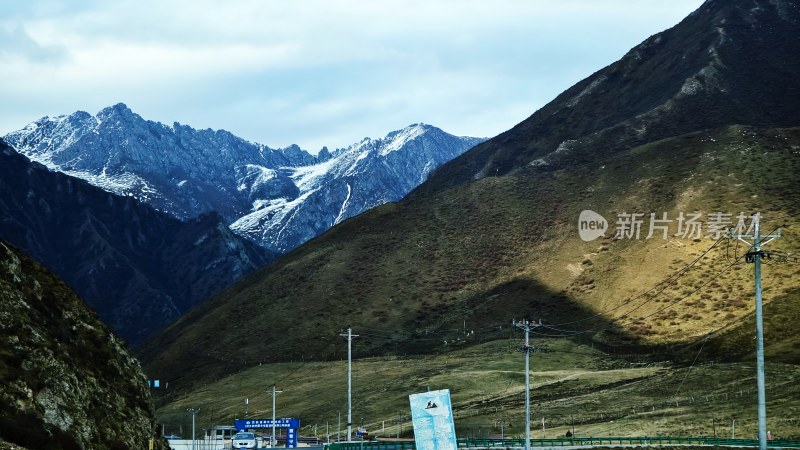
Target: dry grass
point(573, 385)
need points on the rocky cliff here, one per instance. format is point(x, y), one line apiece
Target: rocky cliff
point(67, 381)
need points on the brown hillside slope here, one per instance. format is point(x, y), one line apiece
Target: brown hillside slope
point(508, 247)
point(729, 62)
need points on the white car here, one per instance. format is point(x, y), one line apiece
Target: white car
point(244, 440)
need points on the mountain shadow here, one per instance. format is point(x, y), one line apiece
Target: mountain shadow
point(138, 268)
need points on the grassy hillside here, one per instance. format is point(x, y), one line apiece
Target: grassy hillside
point(625, 371)
point(574, 387)
point(425, 272)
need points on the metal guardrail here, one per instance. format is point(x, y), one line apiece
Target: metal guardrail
point(568, 442)
point(595, 441)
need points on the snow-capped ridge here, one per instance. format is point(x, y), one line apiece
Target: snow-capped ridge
point(277, 197)
point(398, 139)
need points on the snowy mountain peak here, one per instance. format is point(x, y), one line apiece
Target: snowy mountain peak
point(398, 139)
point(278, 198)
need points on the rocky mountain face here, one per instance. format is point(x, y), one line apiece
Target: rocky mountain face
point(278, 198)
point(355, 179)
point(138, 268)
point(67, 381)
point(702, 118)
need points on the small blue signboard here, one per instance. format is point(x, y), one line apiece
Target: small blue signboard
point(246, 424)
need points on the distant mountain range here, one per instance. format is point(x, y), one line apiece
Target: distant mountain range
point(277, 198)
point(81, 206)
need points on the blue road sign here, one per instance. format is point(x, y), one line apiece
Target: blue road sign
point(246, 424)
point(291, 426)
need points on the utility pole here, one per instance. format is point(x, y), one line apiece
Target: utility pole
point(193, 412)
point(274, 439)
point(349, 337)
point(754, 256)
point(526, 349)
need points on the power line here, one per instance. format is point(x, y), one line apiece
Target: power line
point(664, 287)
point(566, 333)
point(661, 286)
point(672, 278)
point(709, 281)
point(666, 282)
point(689, 370)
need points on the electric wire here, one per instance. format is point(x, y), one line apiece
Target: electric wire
point(709, 281)
point(681, 272)
point(689, 370)
point(666, 282)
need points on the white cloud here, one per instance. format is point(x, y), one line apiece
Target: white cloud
point(313, 72)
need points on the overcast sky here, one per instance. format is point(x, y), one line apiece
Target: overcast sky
point(312, 72)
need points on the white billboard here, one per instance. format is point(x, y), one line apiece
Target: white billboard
point(432, 416)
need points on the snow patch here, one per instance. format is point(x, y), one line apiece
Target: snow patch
point(255, 177)
point(344, 205)
point(402, 138)
point(309, 176)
